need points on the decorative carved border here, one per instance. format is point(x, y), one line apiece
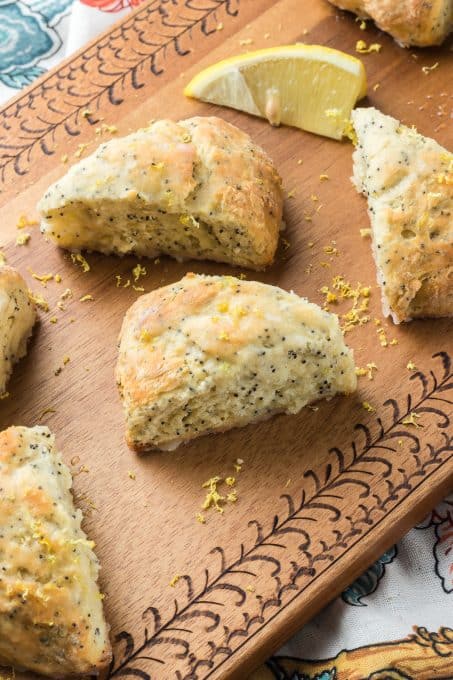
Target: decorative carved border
point(120, 59)
point(294, 567)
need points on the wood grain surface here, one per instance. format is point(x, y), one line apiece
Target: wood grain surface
point(321, 494)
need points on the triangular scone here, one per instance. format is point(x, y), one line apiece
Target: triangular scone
point(51, 618)
point(198, 189)
point(410, 22)
point(17, 317)
point(214, 352)
point(408, 181)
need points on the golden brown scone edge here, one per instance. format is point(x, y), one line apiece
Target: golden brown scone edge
point(51, 618)
point(410, 22)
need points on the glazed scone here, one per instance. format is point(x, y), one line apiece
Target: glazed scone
point(408, 181)
point(198, 189)
point(51, 618)
point(214, 352)
point(17, 317)
point(410, 22)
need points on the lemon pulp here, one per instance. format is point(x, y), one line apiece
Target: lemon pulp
point(307, 86)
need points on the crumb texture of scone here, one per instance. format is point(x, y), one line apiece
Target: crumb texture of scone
point(199, 188)
point(51, 615)
point(209, 353)
point(410, 22)
point(17, 317)
point(408, 181)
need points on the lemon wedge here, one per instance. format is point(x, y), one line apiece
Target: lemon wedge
point(311, 87)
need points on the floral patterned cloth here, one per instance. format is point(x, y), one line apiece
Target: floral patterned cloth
point(396, 620)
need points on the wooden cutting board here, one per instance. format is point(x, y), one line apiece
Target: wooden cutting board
point(321, 494)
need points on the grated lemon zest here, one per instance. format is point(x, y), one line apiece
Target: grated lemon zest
point(42, 278)
point(77, 258)
point(362, 48)
point(80, 149)
point(411, 419)
point(23, 239)
point(138, 271)
point(382, 337)
point(104, 128)
point(38, 300)
point(213, 498)
point(24, 221)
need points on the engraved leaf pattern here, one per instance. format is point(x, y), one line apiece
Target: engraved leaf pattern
point(109, 67)
point(292, 566)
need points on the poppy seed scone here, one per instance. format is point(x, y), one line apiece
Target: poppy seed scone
point(408, 181)
point(214, 352)
point(17, 318)
point(51, 615)
point(199, 188)
point(410, 22)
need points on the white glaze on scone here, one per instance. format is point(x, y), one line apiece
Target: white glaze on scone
point(214, 352)
point(198, 189)
point(408, 181)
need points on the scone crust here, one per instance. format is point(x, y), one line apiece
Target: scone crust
point(201, 167)
point(410, 22)
point(408, 180)
point(17, 317)
point(49, 569)
point(206, 334)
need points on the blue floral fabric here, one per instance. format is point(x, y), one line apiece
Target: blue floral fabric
point(28, 35)
point(369, 581)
